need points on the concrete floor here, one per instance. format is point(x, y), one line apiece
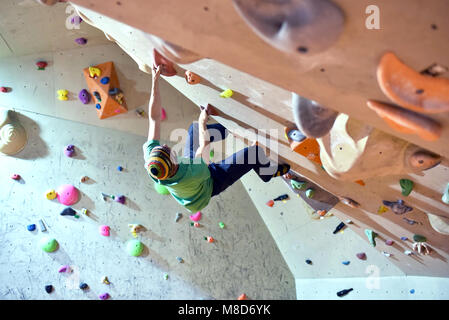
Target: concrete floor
point(244, 258)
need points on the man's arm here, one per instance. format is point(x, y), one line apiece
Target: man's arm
point(203, 137)
point(154, 112)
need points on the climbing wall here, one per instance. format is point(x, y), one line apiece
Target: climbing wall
point(229, 49)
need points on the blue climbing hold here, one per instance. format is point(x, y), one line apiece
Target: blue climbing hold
point(113, 91)
point(120, 168)
point(346, 262)
point(98, 106)
point(31, 227)
point(309, 261)
point(104, 80)
point(412, 291)
point(404, 238)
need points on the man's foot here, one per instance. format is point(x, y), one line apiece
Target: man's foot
point(282, 169)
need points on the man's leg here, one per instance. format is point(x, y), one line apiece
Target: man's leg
point(228, 171)
point(217, 132)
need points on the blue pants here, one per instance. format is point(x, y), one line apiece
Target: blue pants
point(228, 171)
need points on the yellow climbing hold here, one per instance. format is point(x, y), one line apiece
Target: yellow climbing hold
point(94, 72)
point(382, 209)
point(227, 93)
point(62, 94)
point(50, 194)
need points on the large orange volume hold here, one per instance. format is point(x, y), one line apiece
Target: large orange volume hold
point(410, 89)
point(406, 121)
point(105, 88)
point(307, 147)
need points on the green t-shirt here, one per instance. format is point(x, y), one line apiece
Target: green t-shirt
point(191, 185)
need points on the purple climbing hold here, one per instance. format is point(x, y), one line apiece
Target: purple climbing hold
point(81, 41)
point(404, 238)
point(64, 268)
point(389, 242)
point(361, 255)
point(69, 150)
point(104, 296)
point(397, 207)
point(84, 96)
point(76, 20)
point(121, 199)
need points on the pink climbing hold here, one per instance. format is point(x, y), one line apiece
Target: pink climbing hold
point(104, 230)
point(361, 255)
point(15, 176)
point(69, 150)
point(3, 89)
point(196, 216)
point(67, 194)
point(389, 242)
point(104, 296)
point(163, 114)
point(64, 268)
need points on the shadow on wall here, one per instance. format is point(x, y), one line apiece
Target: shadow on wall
point(133, 98)
point(35, 147)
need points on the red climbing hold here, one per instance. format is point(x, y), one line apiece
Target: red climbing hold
point(15, 176)
point(3, 89)
point(242, 297)
point(270, 203)
point(41, 65)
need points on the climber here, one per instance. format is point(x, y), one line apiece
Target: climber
point(192, 180)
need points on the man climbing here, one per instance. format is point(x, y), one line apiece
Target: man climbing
point(192, 180)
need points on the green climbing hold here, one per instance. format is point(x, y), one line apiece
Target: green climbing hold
point(406, 185)
point(134, 247)
point(211, 153)
point(299, 185)
point(310, 193)
point(221, 225)
point(48, 244)
point(445, 197)
point(161, 189)
point(371, 236)
point(419, 238)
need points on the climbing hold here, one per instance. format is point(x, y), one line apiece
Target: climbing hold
point(192, 78)
point(41, 65)
point(84, 96)
point(410, 89)
point(310, 193)
point(299, 185)
point(349, 221)
point(105, 280)
point(295, 135)
point(180, 260)
point(94, 72)
point(349, 202)
point(389, 242)
point(270, 203)
point(361, 255)
point(163, 114)
point(76, 20)
point(281, 197)
point(84, 211)
point(67, 194)
point(321, 213)
point(404, 238)
point(371, 236)
point(424, 160)
point(15, 176)
point(50, 194)
point(134, 247)
point(140, 112)
point(360, 182)
point(161, 189)
point(397, 207)
point(178, 216)
point(97, 96)
point(226, 93)
point(406, 186)
point(194, 224)
point(339, 227)
point(211, 153)
point(42, 225)
point(4, 89)
point(311, 118)
point(167, 67)
point(134, 228)
point(68, 212)
point(242, 297)
point(64, 268)
point(81, 41)
point(104, 230)
point(408, 252)
point(84, 179)
point(62, 94)
point(409, 221)
point(344, 292)
point(419, 238)
point(104, 296)
point(165, 276)
point(196, 217)
point(209, 239)
point(104, 80)
point(113, 91)
point(382, 209)
point(120, 168)
point(406, 121)
point(69, 150)
point(309, 261)
point(48, 244)
point(98, 106)
point(49, 288)
point(221, 225)
point(121, 199)
point(347, 262)
point(83, 286)
point(445, 197)
point(412, 291)
point(31, 227)
point(386, 254)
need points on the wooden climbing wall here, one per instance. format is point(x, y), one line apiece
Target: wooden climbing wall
point(342, 78)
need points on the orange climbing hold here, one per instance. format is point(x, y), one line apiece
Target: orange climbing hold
point(168, 68)
point(406, 121)
point(270, 203)
point(109, 101)
point(242, 297)
point(410, 89)
point(308, 147)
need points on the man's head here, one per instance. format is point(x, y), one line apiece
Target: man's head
point(162, 162)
